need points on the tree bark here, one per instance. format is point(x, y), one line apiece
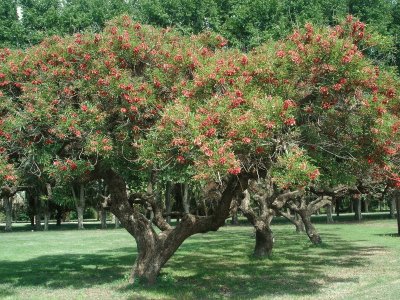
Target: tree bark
point(168, 204)
point(392, 207)
point(155, 249)
point(8, 210)
point(312, 233)
point(264, 241)
point(329, 218)
point(185, 198)
point(357, 211)
point(398, 211)
point(103, 218)
point(116, 222)
point(366, 205)
point(38, 214)
point(80, 204)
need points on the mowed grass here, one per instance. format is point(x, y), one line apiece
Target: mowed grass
point(356, 261)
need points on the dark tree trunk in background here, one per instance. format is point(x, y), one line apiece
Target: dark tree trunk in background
point(168, 204)
point(397, 195)
point(235, 220)
point(79, 203)
point(185, 198)
point(116, 222)
point(392, 207)
point(329, 218)
point(357, 210)
point(103, 218)
point(58, 217)
point(338, 202)
point(351, 207)
point(8, 210)
point(366, 205)
point(38, 213)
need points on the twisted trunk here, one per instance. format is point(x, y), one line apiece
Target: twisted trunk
point(312, 233)
point(154, 249)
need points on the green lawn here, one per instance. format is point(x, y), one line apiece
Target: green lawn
point(357, 261)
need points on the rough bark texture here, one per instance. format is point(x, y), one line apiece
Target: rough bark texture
point(8, 210)
point(312, 233)
point(185, 198)
point(154, 249)
point(329, 218)
point(392, 208)
point(103, 218)
point(264, 241)
point(294, 219)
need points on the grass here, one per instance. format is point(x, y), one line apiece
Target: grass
point(356, 261)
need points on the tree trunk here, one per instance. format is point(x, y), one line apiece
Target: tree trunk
point(168, 204)
point(116, 222)
point(366, 205)
point(351, 207)
point(58, 217)
point(154, 249)
point(80, 204)
point(235, 220)
point(264, 242)
point(338, 202)
point(398, 211)
point(46, 216)
point(38, 214)
point(103, 218)
point(8, 209)
point(79, 211)
point(329, 218)
point(312, 233)
point(392, 207)
point(357, 211)
point(185, 198)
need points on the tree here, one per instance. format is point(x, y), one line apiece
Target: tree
point(135, 106)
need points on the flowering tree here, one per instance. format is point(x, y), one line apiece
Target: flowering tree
point(135, 105)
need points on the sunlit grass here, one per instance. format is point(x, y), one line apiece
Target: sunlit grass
point(356, 261)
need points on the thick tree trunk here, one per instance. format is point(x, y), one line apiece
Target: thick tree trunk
point(8, 210)
point(154, 249)
point(329, 218)
point(168, 204)
point(357, 210)
point(312, 233)
point(264, 242)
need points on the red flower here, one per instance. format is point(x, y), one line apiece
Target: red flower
point(234, 171)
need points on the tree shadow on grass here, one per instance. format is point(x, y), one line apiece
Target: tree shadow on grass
point(212, 265)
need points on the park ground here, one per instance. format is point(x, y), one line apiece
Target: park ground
point(356, 261)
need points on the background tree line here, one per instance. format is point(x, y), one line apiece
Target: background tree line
point(245, 24)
